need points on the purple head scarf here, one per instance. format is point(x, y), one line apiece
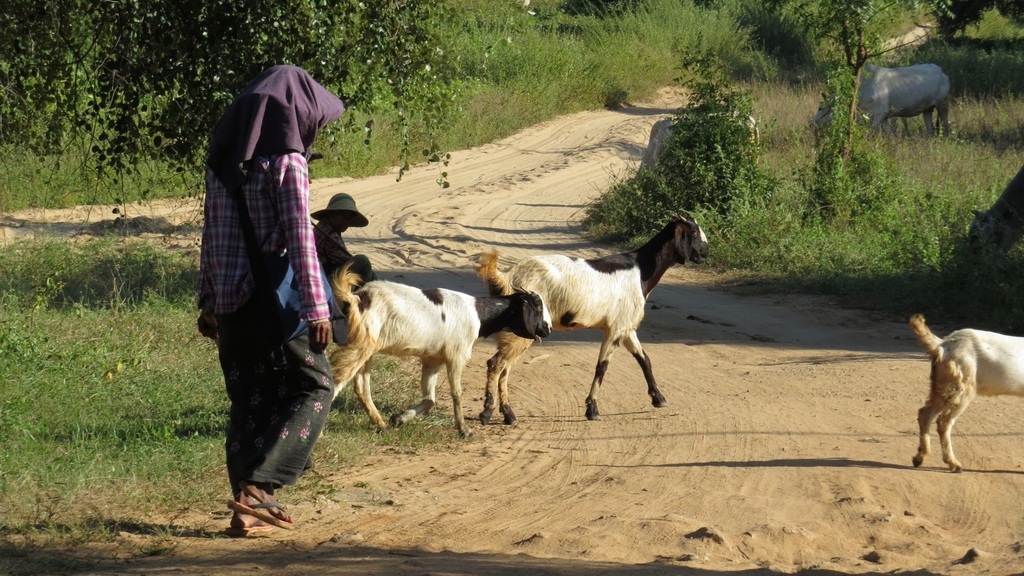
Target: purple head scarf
point(281, 110)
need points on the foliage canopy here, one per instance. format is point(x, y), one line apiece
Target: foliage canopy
point(963, 13)
point(126, 80)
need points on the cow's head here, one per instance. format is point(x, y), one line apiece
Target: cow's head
point(989, 230)
point(823, 116)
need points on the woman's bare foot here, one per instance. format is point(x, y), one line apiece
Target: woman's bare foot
point(258, 501)
point(245, 525)
point(242, 521)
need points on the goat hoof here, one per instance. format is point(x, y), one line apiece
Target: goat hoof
point(917, 461)
point(659, 401)
point(510, 416)
point(466, 434)
point(485, 416)
point(592, 412)
point(396, 421)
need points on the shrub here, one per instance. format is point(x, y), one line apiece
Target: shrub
point(709, 162)
point(852, 174)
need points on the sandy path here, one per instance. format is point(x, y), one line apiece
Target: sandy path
point(786, 444)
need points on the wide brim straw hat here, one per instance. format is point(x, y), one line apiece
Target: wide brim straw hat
point(343, 203)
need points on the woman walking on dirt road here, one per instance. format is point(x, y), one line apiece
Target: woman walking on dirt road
point(257, 208)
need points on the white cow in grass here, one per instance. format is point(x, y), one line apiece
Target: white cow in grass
point(659, 131)
point(662, 130)
point(899, 93)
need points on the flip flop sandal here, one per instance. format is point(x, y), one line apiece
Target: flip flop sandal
point(261, 511)
point(257, 529)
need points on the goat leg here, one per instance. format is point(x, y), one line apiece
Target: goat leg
point(488, 411)
point(504, 405)
point(592, 412)
point(603, 356)
point(362, 390)
point(455, 387)
point(424, 407)
point(510, 348)
point(510, 416)
point(945, 428)
point(428, 393)
point(492, 383)
point(925, 416)
point(632, 345)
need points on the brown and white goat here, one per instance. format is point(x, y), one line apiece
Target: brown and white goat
point(606, 294)
point(965, 363)
point(437, 326)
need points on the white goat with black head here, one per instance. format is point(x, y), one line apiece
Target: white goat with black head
point(606, 293)
point(438, 326)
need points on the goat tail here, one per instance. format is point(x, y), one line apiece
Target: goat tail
point(343, 283)
point(932, 343)
point(349, 358)
point(496, 282)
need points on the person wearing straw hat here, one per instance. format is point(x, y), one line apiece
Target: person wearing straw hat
point(340, 215)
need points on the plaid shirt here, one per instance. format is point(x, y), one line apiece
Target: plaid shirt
point(277, 194)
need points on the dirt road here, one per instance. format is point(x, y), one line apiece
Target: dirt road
point(786, 445)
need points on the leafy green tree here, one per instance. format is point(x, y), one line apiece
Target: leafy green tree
point(126, 80)
point(858, 30)
point(708, 162)
point(963, 13)
point(855, 32)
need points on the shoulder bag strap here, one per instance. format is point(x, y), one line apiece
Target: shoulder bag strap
point(259, 270)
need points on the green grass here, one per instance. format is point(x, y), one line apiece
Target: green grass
point(114, 411)
point(975, 69)
point(102, 407)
